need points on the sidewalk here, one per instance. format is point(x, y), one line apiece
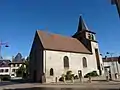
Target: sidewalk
point(94, 80)
point(56, 86)
point(97, 82)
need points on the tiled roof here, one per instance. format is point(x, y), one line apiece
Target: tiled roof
point(109, 59)
point(4, 63)
point(17, 61)
point(61, 43)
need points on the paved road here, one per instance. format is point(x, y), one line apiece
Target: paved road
point(62, 86)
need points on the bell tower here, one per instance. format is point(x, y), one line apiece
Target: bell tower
point(84, 35)
point(88, 38)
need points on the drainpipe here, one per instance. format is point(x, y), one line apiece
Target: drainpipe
point(45, 67)
point(117, 68)
point(45, 61)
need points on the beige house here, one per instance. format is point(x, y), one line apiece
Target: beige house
point(112, 64)
point(52, 54)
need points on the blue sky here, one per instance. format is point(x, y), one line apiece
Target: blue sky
point(19, 19)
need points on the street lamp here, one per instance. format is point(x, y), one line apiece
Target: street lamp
point(111, 54)
point(3, 44)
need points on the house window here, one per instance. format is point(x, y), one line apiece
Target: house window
point(84, 60)
point(2, 64)
point(13, 65)
point(66, 62)
point(17, 65)
point(13, 70)
point(1, 70)
point(12, 75)
point(51, 72)
point(6, 70)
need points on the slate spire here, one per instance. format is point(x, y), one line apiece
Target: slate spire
point(82, 25)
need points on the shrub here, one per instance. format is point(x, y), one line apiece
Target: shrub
point(92, 74)
point(76, 77)
point(5, 77)
point(61, 79)
point(69, 75)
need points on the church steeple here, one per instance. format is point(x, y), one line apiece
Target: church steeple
point(82, 25)
point(83, 32)
point(84, 35)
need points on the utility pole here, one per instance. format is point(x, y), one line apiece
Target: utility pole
point(2, 44)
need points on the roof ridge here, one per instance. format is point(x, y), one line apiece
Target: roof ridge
point(61, 42)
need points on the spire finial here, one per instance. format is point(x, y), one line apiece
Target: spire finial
point(82, 25)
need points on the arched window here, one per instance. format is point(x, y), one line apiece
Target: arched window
point(84, 60)
point(89, 36)
point(66, 62)
point(51, 72)
point(92, 37)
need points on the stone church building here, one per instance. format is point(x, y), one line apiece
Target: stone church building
point(52, 55)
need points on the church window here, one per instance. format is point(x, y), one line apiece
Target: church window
point(51, 72)
point(66, 62)
point(92, 37)
point(84, 62)
point(89, 36)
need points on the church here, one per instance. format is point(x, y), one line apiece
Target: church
point(52, 55)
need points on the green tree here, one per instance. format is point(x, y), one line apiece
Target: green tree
point(23, 71)
point(20, 72)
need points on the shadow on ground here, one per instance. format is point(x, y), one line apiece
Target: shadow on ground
point(106, 80)
point(11, 82)
point(100, 80)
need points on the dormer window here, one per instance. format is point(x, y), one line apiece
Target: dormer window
point(3, 63)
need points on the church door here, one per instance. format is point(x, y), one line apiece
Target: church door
point(34, 76)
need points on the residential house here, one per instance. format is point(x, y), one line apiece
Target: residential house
point(112, 64)
point(4, 67)
point(16, 63)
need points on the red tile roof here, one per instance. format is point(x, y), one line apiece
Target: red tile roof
point(109, 59)
point(61, 43)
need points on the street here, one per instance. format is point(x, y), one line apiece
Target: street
point(62, 86)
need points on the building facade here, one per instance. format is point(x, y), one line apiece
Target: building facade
point(112, 64)
point(4, 67)
point(14, 66)
point(10, 68)
point(53, 55)
point(16, 63)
